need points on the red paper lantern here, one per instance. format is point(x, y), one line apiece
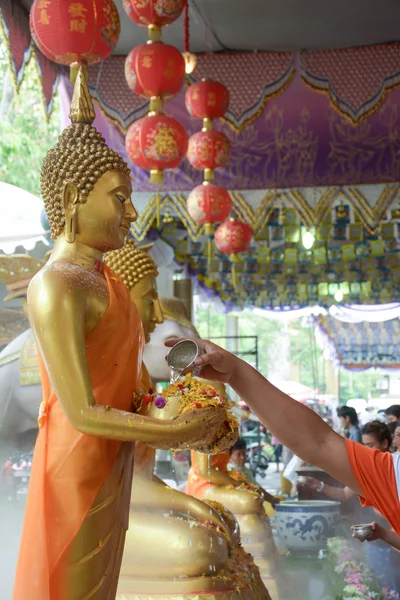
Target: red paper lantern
point(155, 69)
point(154, 12)
point(209, 150)
point(68, 32)
point(207, 99)
point(156, 143)
point(209, 203)
point(233, 237)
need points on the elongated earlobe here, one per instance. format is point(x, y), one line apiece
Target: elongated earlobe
point(71, 203)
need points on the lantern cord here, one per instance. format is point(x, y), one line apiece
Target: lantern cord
point(186, 28)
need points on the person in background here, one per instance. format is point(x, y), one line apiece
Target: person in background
point(393, 413)
point(237, 461)
point(349, 420)
point(375, 435)
point(392, 428)
point(396, 438)
point(277, 446)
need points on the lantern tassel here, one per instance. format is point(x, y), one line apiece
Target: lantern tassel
point(209, 230)
point(158, 210)
point(234, 280)
point(234, 260)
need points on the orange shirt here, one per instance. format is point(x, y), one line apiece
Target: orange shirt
point(378, 476)
point(197, 485)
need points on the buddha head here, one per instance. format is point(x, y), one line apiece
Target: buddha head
point(138, 271)
point(86, 186)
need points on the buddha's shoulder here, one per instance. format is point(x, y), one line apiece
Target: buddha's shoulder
point(62, 277)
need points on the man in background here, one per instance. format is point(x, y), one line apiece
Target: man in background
point(349, 421)
point(393, 413)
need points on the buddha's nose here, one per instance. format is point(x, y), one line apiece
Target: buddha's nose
point(158, 313)
point(131, 212)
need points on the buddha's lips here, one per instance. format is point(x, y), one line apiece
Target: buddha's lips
point(125, 225)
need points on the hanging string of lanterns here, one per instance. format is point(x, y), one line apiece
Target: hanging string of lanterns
point(208, 150)
point(156, 71)
point(208, 203)
point(75, 33)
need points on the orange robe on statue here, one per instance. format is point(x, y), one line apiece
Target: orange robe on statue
point(70, 468)
point(197, 485)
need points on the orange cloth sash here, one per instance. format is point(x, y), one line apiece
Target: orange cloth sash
point(144, 455)
point(197, 485)
point(70, 467)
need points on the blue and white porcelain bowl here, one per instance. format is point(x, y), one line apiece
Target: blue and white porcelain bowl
point(305, 525)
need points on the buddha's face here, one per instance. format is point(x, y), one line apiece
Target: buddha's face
point(103, 221)
point(145, 296)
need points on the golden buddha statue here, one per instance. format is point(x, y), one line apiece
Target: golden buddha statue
point(185, 544)
point(90, 343)
point(209, 479)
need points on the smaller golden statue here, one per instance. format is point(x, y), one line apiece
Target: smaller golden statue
point(186, 546)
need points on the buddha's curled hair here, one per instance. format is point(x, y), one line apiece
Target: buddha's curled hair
point(81, 156)
point(131, 263)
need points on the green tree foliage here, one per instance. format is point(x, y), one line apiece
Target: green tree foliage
point(25, 136)
point(305, 352)
point(359, 385)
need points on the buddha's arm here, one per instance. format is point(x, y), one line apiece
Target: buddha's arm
point(57, 312)
point(213, 475)
point(158, 495)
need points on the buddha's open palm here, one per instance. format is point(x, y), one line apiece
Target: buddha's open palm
point(197, 428)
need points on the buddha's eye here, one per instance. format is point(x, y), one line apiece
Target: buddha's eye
point(150, 301)
point(122, 199)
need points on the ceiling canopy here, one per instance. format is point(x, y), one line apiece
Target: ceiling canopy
point(247, 25)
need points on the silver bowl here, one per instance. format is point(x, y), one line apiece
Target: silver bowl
point(362, 532)
point(181, 359)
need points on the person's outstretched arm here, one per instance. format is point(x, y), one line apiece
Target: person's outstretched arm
point(295, 425)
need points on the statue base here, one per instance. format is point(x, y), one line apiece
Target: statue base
point(133, 591)
point(218, 596)
point(196, 588)
point(257, 539)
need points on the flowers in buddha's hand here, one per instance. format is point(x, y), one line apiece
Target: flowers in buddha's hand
point(193, 394)
point(244, 484)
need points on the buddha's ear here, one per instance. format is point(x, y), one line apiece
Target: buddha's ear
point(70, 204)
point(70, 196)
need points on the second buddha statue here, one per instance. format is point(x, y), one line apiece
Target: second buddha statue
point(185, 544)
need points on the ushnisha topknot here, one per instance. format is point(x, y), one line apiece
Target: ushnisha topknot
point(131, 263)
point(81, 156)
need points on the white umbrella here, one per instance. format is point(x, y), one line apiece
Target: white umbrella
point(20, 219)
